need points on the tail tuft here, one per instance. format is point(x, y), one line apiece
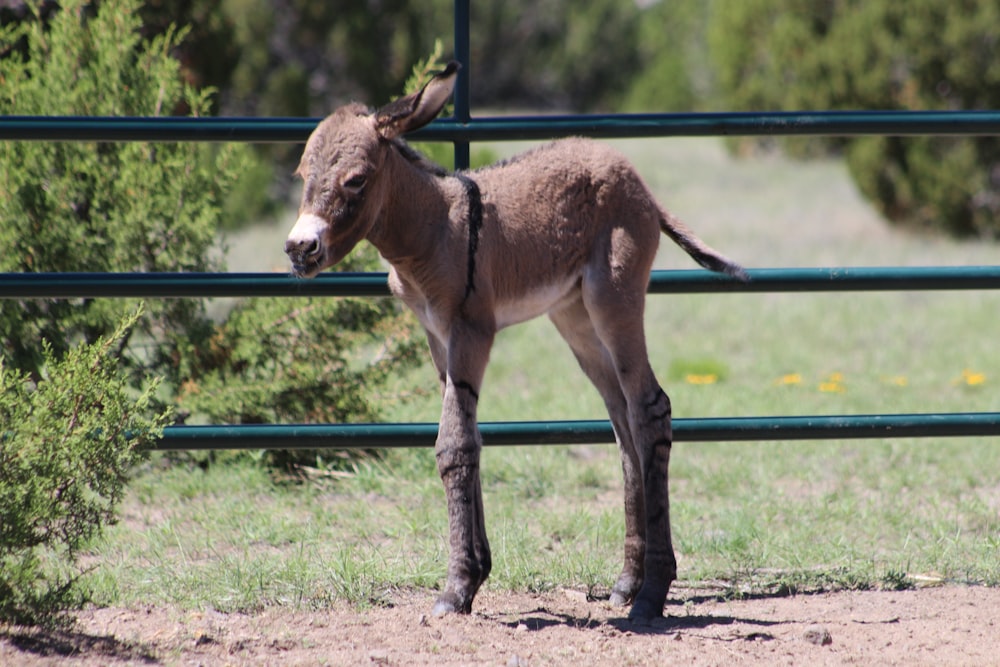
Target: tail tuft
point(722, 264)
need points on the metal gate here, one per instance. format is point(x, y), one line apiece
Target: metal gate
point(460, 130)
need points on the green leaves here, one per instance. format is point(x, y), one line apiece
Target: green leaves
point(76, 404)
point(94, 207)
point(920, 55)
point(301, 360)
point(78, 206)
point(67, 444)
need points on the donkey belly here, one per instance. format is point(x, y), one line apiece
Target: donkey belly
point(534, 302)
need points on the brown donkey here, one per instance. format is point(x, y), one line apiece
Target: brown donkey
point(568, 229)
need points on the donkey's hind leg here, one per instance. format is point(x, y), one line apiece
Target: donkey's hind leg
point(616, 311)
point(575, 326)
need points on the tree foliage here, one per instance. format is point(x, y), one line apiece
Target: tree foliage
point(553, 53)
point(879, 54)
point(85, 206)
point(301, 360)
point(295, 57)
point(138, 207)
point(673, 73)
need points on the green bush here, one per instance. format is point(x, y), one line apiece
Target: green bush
point(67, 443)
point(878, 54)
point(86, 206)
point(138, 207)
point(672, 73)
point(302, 360)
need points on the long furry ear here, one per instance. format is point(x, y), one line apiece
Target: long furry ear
point(414, 111)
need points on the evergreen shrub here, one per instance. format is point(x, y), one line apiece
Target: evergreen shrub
point(68, 441)
point(878, 55)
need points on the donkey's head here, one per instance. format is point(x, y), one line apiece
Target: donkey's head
point(344, 188)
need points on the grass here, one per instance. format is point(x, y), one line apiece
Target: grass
point(749, 517)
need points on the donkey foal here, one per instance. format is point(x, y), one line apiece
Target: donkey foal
point(568, 229)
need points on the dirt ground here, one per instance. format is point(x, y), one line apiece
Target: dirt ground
point(948, 625)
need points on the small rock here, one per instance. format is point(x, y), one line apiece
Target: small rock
point(203, 639)
point(516, 661)
point(818, 635)
point(379, 657)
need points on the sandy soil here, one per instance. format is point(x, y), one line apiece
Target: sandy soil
point(946, 625)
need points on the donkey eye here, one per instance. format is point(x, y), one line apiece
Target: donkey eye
point(355, 182)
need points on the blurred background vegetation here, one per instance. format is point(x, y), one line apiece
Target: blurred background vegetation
point(302, 58)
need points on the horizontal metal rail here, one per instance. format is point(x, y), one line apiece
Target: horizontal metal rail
point(371, 436)
point(213, 285)
point(611, 126)
point(465, 129)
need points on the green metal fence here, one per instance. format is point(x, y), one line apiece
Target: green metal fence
point(461, 130)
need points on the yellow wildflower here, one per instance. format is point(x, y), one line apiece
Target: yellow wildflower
point(790, 378)
point(697, 378)
point(834, 384)
point(972, 378)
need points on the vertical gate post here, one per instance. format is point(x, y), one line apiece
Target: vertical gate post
point(462, 110)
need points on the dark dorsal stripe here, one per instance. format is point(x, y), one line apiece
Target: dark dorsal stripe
point(475, 223)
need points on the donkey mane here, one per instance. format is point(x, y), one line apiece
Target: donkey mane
point(569, 230)
point(515, 159)
point(417, 158)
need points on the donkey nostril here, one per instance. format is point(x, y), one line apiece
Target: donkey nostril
point(304, 244)
point(304, 248)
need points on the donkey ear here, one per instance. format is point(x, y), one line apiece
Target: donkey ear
point(414, 111)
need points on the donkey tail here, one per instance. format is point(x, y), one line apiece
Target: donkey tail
point(700, 251)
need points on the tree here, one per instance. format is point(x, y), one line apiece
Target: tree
point(299, 58)
point(302, 360)
point(553, 53)
point(879, 54)
point(295, 57)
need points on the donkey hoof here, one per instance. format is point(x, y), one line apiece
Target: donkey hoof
point(624, 590)
point(622, 596)
point(449, 603)
point(618, 599)
point(648, 604)
point(644, 613)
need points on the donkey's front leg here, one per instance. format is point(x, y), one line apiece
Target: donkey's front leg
point(457, 451)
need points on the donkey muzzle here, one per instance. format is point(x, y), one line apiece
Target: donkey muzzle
point(304, 245)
